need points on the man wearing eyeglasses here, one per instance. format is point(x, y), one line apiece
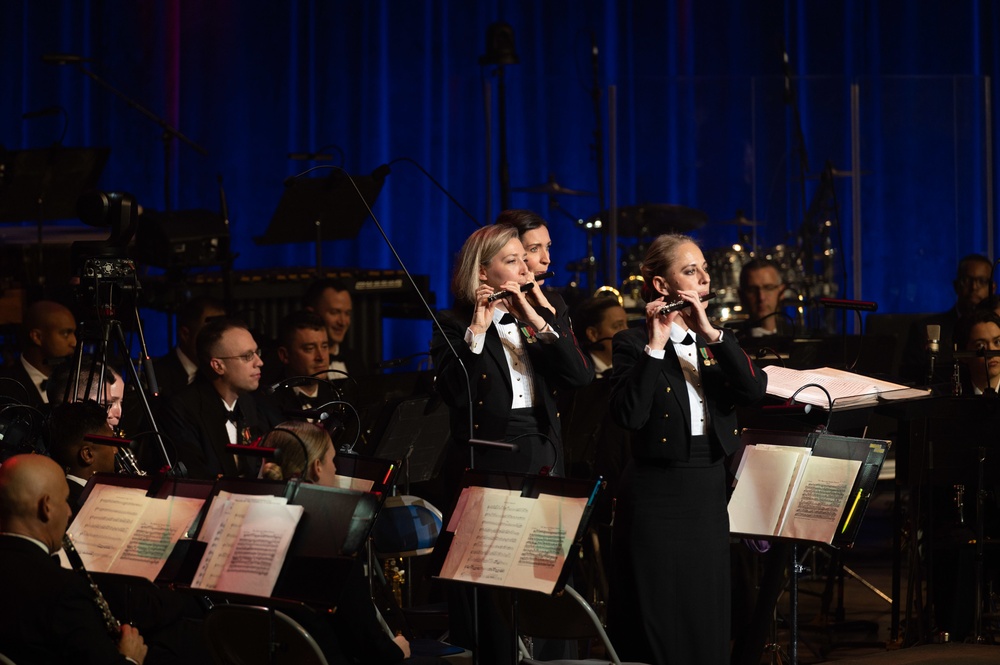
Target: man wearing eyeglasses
point(217, 408)
point(761, 288)
point(972, 285)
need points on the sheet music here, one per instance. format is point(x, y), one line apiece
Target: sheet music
point(820, 499)
point(248, 547)
point(845, 388)
point(215, 510)
point(349, 483)
point(505, 539)
point(788, 492)
point(755, 507)
point(121, 530)
point(550, 530)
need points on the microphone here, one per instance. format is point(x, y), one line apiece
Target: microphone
point(63, 59)
point(786, 409)
point(855, 305)
point(933, 348)
point(290, 382)
point(41, 113)
point(318, 415)
point(506, 294)
point(678, 305)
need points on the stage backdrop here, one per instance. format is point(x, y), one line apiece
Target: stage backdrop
point(892, 98)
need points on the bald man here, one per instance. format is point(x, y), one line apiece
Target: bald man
point(49, 614)
point(48, 336)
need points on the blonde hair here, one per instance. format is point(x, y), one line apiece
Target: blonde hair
point(477, 252)
point(296, 446)
point(659, 257)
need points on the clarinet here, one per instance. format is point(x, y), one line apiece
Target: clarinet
point(113, 626)
point(125, 459)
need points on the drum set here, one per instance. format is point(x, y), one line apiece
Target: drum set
point(807, 261)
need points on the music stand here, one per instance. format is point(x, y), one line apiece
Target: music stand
point(44, 184)
point(319, 209)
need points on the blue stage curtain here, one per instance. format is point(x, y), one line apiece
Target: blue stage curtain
point(380, 80)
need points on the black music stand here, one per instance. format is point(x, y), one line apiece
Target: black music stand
point(43, 184)
point(869, 453)
point(478, 527)
point(319, 209)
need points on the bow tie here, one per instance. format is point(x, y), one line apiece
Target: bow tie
point(508, 318)
point(687, 339)
point(234, 416)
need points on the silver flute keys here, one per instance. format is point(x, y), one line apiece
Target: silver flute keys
point(678, 305)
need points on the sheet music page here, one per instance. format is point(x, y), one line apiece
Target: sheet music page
point(819, 501)
point(490, 530)
point(105, 522)
point(220, 542)
point(768, 473)
point(149, 545)
point(215, 511)
point(349, 483)
point(549, 531)
point(259, 549)
point(783, 382)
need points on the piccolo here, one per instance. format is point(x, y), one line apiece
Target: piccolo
point(678, 305)
point(524, 288)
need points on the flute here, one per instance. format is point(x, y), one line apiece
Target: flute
point(678, 305)
point(524, 287)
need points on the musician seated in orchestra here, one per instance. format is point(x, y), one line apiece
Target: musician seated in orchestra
point(49, 614)
point(304, 450)
point(972, 285)
point(331, 300)
point(178, 367)
point(533, 231)
point(216, 410)
point(676, 383)
point(303, 352)
point(596, 320)
point(761, 288)
point(66, 429)
point(58, 388)
point(980, 331)
point(47, 337)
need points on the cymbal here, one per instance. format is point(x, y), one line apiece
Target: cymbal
point(552, 188)
point(653, 219)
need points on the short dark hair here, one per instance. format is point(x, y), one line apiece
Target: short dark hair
point(757, 264)
point(589, 313)
point(68, 423)
point(971, 258)
point(209, 337)
point(57, 387)
point(963, 329)
point(522, 220)
point(310, 299)
point(300, 320)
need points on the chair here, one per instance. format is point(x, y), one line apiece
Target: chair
point(254, 635)
point(564, 616)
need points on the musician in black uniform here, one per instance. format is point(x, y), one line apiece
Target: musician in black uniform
point(518, 357)
point(533, 231)
point(676, 384)
point(67, 426)
point(48, 615)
